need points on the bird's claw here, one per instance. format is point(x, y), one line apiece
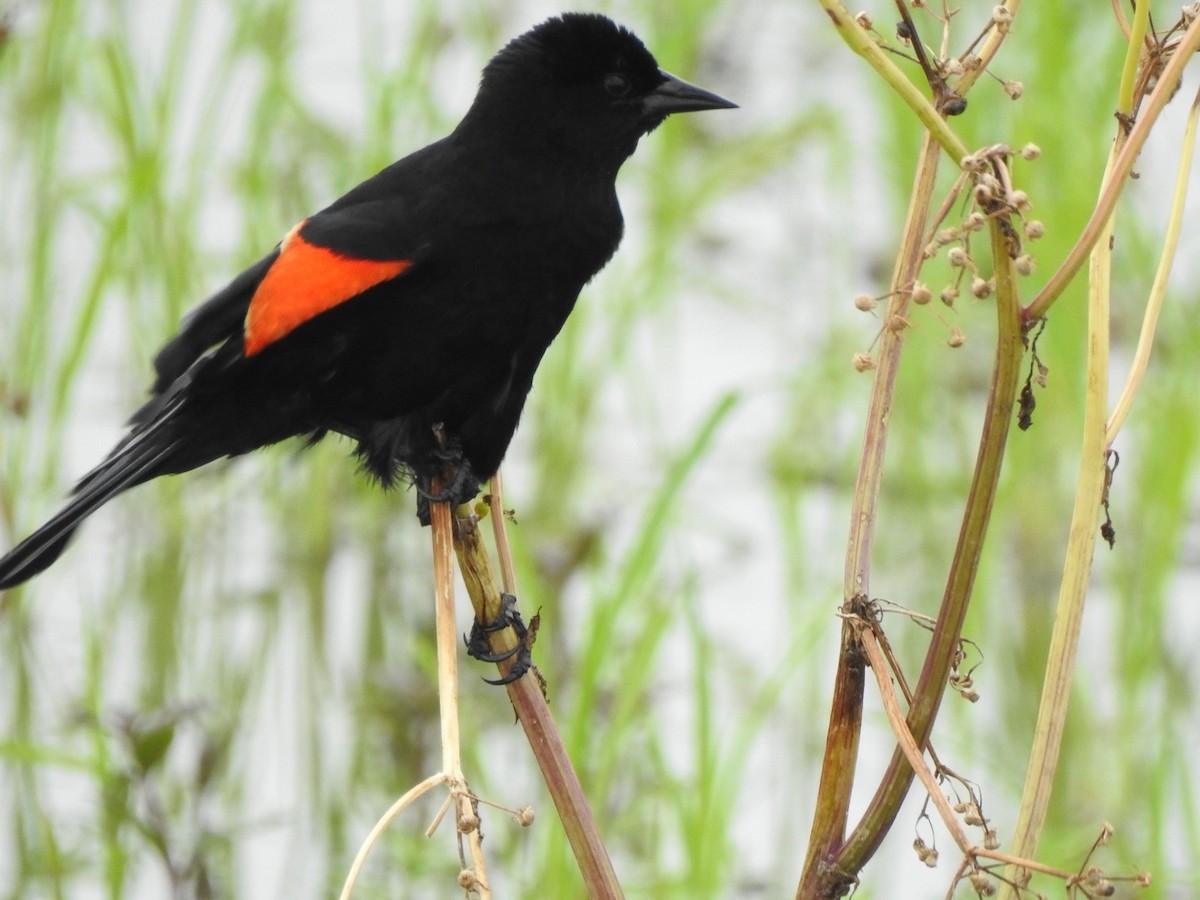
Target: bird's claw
point(462, 488)
point(478, 646)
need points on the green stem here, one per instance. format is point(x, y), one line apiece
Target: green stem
point(860, 41)
point(1077, 570)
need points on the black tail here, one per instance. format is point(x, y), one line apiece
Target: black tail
point(143, 455)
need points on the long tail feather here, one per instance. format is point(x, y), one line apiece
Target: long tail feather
point(138, 459)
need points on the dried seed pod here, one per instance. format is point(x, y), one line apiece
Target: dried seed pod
point(974, 222)
point(863, 362)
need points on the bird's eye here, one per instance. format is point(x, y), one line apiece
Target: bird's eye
point(617, 85)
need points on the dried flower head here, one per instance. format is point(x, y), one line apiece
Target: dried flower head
point(974, 162)
point(983, 885)
point(863, 362)
point(974, 222)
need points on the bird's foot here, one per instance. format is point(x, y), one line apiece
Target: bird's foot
point(479, 648)
point(462, 487)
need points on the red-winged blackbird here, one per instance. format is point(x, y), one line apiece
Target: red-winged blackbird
point(426, 296)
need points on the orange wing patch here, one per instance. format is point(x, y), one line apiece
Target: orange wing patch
point(305, 281)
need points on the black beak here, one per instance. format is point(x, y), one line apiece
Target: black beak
point(676, 96)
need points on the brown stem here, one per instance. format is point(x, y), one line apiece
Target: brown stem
point(939, 658)
point(821, 876)
point(534, 715)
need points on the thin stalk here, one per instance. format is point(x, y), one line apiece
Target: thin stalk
point(907, 744)
point(1117, 175)
point(987, 51)
point(841, 747)
point(466, 821)
point(1158, 289)
point(508, 575)
point(1133, 53)
point(1077, 570)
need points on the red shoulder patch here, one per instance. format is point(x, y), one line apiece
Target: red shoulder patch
point(303, 282)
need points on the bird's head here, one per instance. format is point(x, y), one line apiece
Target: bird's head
point(585, 85)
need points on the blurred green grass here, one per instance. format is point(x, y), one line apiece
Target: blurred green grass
point(218, 691)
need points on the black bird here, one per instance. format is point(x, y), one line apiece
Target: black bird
point(366, 319)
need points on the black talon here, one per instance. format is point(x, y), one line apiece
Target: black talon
point(479, 648)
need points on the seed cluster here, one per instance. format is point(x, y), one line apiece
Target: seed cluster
point(985, 188)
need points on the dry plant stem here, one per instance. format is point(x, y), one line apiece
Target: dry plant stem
point(451, 774)
point(382, 825)
point(865, 634)
point(908, 745)
point(534, 715)
point(845, 717)
point(508, 576)
point(1081, 546)
point(987, 52)
point(447, 658)
point(931, 685)
point(1158, 290)
point(1117, 175)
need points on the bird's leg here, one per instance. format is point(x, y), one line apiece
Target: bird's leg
point(459, 483)
point(478, 646)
